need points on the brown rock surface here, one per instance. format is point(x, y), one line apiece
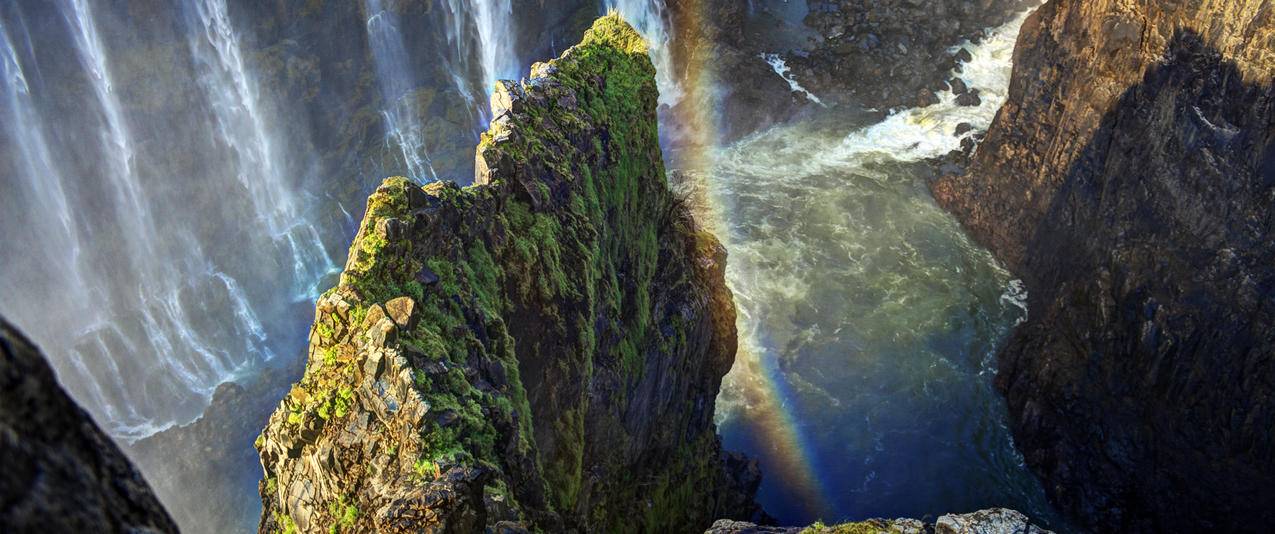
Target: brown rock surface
point(1129, 180)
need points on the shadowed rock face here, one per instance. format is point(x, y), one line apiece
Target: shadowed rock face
point(541, 350)
point(61, 472)
point(1129, 181)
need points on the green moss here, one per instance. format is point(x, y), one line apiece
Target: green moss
point(871, 526)
point(568, 239)
point(344, 513)
point(285, 522)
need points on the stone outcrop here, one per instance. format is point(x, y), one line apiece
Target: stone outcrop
point(61, 472)
point(991, 521)
point(1129, 180)
point(541, 350)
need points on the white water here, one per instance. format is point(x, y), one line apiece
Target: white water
point(134, 215)
point(651, 19)
point(396, 79)
point(867, 316)
point(781, 68)
point(242, 125)
point(107, 261)
point(494, 19)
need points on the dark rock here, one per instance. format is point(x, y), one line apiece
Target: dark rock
point(963, 128)
point(61, 473)
point(925, 98)
point(969, 99)
point(1129, 182)
point(426, 277)
point(958, 86)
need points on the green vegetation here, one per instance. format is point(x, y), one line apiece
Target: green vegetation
point(345, 514)
point(871, 526)
point(568, 236)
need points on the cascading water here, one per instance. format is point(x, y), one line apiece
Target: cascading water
point(260, 167)
point(121, 272)
point(397, 81)
point(493, 19)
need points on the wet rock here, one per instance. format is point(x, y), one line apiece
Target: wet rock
point(963, 128)
point(958, 86)
point(969, 99)
point(926, 98)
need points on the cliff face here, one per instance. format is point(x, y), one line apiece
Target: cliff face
point(540, 350)
point(61, 472)
point(1129, 181)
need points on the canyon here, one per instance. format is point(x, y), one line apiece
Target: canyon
point(994, 266)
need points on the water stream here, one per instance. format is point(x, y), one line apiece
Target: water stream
point(868, 320)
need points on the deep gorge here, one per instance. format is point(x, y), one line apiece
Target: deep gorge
point(762, 262)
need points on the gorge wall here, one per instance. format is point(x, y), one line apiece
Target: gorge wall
point(62, 473)
point(1129, 181)
point(540, 350)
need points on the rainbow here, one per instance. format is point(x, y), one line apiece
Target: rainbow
point(761, 394)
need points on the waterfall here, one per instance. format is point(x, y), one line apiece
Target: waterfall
point(397, 81)
point(651, 19)
point(146, 291)
point(496, 40)
point(135, 216)
point(482, 30)
point(259, 168)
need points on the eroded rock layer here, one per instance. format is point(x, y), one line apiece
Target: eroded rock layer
point(541, 350)
point(61, 473)
point(1129, 181)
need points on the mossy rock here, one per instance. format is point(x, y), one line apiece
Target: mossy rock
point(569, 328)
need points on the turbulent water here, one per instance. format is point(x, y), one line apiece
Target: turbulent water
point(868, 320)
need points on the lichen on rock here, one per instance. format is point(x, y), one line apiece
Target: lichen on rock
point(540, 350)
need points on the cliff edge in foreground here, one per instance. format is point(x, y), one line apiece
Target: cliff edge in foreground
point(1129, 180)
point(61, 473)
point(541, 350)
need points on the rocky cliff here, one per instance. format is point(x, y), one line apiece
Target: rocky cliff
point(1129, 181)
point(61, 472)
point(541, 350)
